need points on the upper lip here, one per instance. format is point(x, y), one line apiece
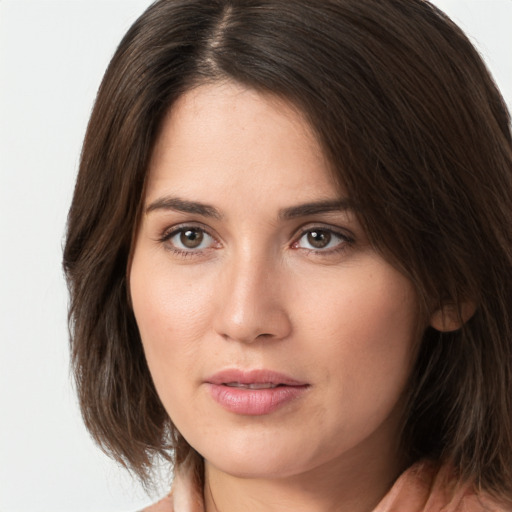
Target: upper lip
point(231, 375)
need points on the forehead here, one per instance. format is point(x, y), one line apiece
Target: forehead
point(227, 138)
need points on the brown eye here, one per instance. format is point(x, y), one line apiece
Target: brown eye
point(319, 239)
point(188, 239)
point(322, 240)
point(191, 238)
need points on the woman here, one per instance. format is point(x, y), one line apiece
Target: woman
point(290, 262)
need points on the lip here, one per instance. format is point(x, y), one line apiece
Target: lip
point(249, 401)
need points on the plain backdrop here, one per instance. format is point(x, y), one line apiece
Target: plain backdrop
point(52, 57)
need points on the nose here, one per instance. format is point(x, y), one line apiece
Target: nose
point(251, 302)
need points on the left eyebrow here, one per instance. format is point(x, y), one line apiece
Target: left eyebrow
point(303, 210)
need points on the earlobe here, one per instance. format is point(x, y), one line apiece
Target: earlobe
point(451, 318)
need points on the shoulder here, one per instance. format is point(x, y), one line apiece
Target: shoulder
point(428, 487)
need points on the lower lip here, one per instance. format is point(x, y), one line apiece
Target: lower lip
point(254, 402)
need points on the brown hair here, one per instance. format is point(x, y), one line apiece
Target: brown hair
point(417, 133)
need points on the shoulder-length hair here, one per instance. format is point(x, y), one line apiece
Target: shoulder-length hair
point(417, 133)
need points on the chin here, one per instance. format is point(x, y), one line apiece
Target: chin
point(255, 460)
point(255, 468)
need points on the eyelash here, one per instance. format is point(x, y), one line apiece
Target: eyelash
point(176, 230)
point(344, 241)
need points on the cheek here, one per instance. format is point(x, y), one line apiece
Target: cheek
point(365, 328)
point(171, 310)
point(371, 309)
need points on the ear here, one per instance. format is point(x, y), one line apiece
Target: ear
point(450, 317)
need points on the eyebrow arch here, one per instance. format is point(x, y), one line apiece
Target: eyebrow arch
point(303, 210)
point(183, 205)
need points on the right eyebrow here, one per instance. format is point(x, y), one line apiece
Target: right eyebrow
point(182, 205)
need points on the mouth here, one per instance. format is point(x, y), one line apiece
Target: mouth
point(253, 379)
point(261, 385)
point(254, 392)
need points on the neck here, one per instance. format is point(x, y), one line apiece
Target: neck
point(348, 485)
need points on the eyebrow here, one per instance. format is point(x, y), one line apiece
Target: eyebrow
point(303, 210)
point(182, 205)
point(292, 212)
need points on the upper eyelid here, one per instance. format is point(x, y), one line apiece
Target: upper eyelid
point(166, 236)
point(337, 230)
point(170, 231)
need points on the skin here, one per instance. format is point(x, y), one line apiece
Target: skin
point(255, 293)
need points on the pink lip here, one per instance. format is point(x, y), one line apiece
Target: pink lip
point(254, 402)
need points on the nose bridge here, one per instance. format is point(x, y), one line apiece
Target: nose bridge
point(251, 303)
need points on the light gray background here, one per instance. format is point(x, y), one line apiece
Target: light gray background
point(52, 57)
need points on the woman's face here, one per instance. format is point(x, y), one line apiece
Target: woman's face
point(278, 340)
